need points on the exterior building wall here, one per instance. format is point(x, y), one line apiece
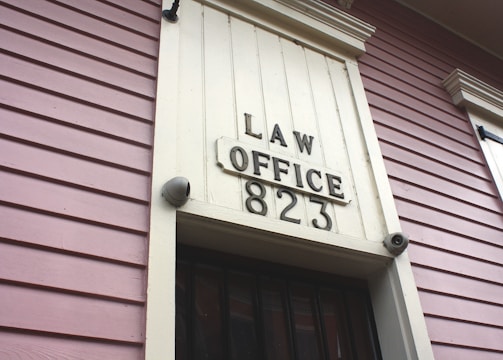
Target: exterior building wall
point(443, 190)
point(77, 104)
point(78, 82)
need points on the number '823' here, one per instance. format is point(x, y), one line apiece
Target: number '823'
point(256, 204)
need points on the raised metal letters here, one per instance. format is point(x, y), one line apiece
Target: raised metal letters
point(290, 206)
point(278, 135)
point(288, 173)
point(255, 197)
point(275, 164)
point(323, 211)
point(309, 177)
point(248, 130)
point(257, 163)
point(303, 142)
point(274, 168)
point(244, 158)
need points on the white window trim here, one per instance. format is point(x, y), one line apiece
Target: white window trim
point(400, 321)
point(484, 105)
point(468, 91)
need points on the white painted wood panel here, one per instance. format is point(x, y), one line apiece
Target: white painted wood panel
point(219, 104)
point(229, 67)
point(190, 120)
point(357, 144)
point(329, 132)
point(301, 99)
point(248, 82)
point(269, 44)
point(276, 104)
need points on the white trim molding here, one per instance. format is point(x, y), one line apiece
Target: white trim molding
point(472, 93)
point(484, 105)
point(309, 20)
point(204, 222)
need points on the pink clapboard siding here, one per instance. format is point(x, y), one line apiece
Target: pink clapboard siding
point(77, 102)
point(446, 199)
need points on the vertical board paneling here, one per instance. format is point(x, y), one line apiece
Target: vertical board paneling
point(331, 139)
point(301, 99)
point(276, 103)
point(191, 119)
point(367, 202)
point(443, 190)
point(248, 84)
point(76, 112)
point(302, 118)
point(219, 105)
point(229, 66)
point(248, 89)
point(346, 217)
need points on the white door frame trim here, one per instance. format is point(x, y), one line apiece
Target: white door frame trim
point(399, 317)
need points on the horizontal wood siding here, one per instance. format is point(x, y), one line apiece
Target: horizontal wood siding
point(446, 199)
point(77, 102)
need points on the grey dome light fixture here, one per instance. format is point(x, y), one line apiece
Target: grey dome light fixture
point(176, 191)
point(396, 243)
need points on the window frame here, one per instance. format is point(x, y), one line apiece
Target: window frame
point(484, 106)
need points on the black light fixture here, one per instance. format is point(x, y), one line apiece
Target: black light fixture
point(170, 14)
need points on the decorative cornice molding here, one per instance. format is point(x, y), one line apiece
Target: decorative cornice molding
point(472, 93)
point(333, 17)
point(302, 20)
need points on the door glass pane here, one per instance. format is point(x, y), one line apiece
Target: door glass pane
point(208, 320)
point(307, 327)
point(338, 343)
point(182, 311)
point(239, 309)
point(276, 328)
point(242, 310)
point(358, 310)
